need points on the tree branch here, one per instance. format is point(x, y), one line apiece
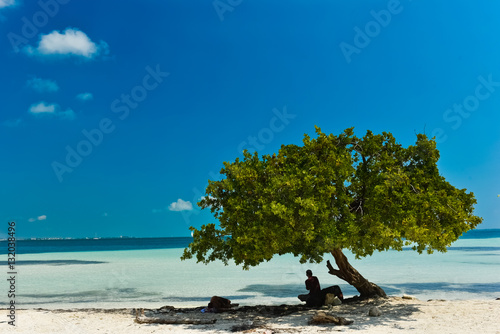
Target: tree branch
point(333, 271)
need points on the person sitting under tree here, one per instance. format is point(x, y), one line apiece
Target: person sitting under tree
point(313, 298)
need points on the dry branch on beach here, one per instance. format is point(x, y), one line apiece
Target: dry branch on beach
point(174, 321)
point(321, 318)
point(140, 318)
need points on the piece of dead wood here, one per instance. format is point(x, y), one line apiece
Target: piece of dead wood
point(174, 321)
point(141, 319)
point(323, 318)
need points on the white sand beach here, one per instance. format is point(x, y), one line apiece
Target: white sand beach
point(398, 315)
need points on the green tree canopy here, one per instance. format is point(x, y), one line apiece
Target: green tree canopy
point(332, 193)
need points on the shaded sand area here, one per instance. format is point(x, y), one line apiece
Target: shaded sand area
point(397, 315)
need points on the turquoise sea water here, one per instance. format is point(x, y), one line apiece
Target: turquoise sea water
point(148, 273)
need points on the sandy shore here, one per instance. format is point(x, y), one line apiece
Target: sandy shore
point(398, 315)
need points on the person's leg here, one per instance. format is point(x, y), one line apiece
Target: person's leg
point(303, 298)
point(314, 300)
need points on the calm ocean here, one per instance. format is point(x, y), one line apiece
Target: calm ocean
point(147, 272)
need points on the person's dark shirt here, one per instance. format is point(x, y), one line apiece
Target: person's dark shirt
point(312, 284)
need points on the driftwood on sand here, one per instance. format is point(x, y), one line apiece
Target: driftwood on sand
point(174, 321)
point(141, 319)
point(321, 318)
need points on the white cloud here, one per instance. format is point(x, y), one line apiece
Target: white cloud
point(52, 110)
point(42, 217)
point(7, 3)
point(180, 205)
point(71, 42)
point(85, 97)
point(43, 85)
point(43, 108)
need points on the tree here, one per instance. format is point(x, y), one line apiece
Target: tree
point(333, 193)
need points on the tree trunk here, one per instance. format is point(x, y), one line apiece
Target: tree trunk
point(353, 277)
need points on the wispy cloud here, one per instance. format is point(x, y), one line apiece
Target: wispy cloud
point(42, 85)
point(42, 217)
point(7, 3)
point(43, 109)
point(70, 43)
point(85, 97)
point(180, 205)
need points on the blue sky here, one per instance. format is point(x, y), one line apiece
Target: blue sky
point(113, 115)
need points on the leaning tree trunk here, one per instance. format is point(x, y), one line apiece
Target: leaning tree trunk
point(353, 277)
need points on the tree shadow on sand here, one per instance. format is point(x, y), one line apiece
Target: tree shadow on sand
point(295, 318)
